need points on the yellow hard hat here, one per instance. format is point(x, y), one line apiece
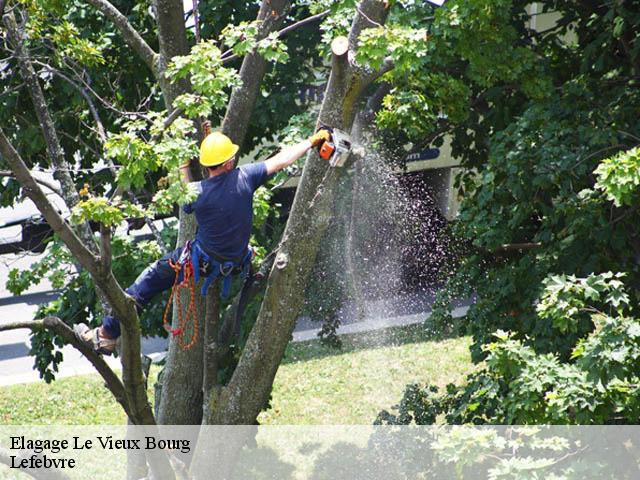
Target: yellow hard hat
point(216, 149)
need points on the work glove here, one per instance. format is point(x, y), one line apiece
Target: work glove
point(320, 137)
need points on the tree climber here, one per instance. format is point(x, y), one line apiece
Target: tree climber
point(224, 214)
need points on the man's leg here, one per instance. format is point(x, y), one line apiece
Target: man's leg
point(156, 278)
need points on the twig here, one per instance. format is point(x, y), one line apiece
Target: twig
point(44, 183)
point(228, 55)
point(516, 247)
point(85, 95)
point(104, 102)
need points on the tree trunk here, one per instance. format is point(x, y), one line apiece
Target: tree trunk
point(181, 398)
point(181, 394)
point(247, 393)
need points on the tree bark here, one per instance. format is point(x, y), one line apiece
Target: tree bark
point(248, 391)
point(181, 399)
point(172, 39)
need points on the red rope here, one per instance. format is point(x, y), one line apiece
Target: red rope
point(183, 320)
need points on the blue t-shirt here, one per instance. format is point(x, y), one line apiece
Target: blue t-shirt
point(224, 209)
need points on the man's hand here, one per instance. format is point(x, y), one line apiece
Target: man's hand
point(320, 137)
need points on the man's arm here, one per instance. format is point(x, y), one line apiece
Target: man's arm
point(288, 155)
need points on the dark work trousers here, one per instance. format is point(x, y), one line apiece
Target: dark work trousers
point(156, 278)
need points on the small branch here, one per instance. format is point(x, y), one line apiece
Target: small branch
point(371, 76)
point(228, 55)
point(44, 183)
point(30, 324)
point(302, 23)
point(85, 94)
point(61, 329)
point(130, 34)
point(173, 116)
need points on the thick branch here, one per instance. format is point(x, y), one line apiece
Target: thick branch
point(68, 236)
point(105, 247)
point(370, 14)
point(30, 324)
point(129, 34)
point(172, 40)
point(139, 410)
point(252, 71)
point(211, 346)
point(42, 111)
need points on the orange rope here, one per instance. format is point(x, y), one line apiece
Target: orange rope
point(187, 283)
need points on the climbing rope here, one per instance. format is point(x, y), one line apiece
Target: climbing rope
point(188, 283)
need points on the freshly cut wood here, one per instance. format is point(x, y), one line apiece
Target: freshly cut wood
point(340, 46)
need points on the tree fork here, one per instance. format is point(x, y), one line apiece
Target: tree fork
point(247, 392)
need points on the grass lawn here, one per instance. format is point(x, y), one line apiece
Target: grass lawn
point(314, 385)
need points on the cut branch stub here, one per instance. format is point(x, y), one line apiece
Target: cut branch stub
point(340, 46)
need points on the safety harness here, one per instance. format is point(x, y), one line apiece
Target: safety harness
point(214, 266)
point(193, 264)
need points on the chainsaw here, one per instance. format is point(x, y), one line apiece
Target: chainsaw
point(336, 150)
